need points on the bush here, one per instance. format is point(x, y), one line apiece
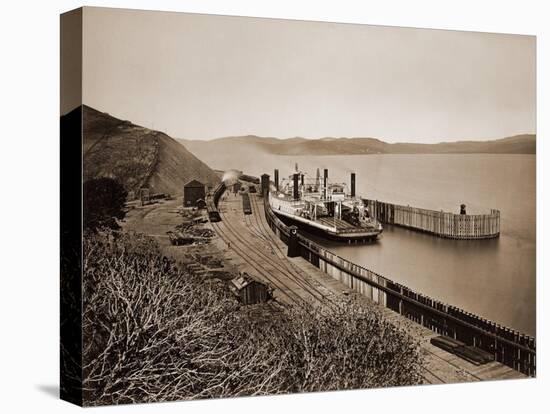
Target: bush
point(104, 200)
point(154, 332)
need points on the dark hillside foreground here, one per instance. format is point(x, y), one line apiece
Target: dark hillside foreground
point(137, 156)
point(154, 331)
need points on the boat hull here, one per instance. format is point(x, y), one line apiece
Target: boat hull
point(344, 237)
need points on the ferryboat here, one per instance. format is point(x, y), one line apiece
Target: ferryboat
point(324, 208)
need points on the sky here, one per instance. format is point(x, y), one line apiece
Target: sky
point(204, 77)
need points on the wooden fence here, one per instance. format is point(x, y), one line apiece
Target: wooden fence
point(508, 346)
point(439, 223)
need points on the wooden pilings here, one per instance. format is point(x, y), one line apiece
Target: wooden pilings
point(439, 223)
point(293, 242)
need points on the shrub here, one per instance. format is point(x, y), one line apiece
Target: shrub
point(103, 200)
point(154, 332)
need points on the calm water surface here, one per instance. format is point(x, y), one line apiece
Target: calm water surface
point(492, 278)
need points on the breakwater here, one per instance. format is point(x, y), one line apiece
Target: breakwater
point(438, 223)
point(508, 346)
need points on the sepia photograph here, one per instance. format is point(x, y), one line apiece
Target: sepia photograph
point(274, 206)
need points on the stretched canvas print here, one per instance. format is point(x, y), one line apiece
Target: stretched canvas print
point(260, 206)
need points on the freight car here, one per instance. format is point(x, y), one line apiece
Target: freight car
point(246, 204)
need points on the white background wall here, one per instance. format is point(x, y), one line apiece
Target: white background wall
point(29, 153)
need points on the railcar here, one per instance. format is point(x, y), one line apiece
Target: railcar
point(247, 209)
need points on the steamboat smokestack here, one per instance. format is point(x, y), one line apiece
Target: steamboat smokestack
point(317, 180)
point(296, 194)
point(325, 182)
point(302, 179)
point(353, 184)
point(276, 175)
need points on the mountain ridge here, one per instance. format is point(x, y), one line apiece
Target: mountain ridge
point(517, 144)
point(138, 156)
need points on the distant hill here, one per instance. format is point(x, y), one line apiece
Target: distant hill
point(138, 156)
point(519, 144)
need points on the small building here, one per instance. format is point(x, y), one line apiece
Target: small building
point(193, 191)
point(250, 291)
point(144, 195)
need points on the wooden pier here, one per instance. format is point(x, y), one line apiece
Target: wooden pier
point(438, 223)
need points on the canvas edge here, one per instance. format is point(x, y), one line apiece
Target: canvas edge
point(70, 381)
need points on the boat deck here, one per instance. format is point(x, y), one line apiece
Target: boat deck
point(333, 225)
point(338, 224)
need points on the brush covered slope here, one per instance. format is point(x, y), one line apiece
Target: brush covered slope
point(189, 338)
point(137, 156)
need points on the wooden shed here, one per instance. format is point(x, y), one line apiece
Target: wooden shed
point(250, 291)
point(144, 195)
point(193, 191)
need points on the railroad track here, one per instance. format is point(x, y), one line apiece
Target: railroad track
point(263, 272)
point(281, 259)
point(265, 230)
point(282, 276)
point(254, 229)
point(228, 235)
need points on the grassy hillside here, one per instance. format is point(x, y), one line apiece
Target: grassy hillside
point(520, 144)
point(138, 156)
